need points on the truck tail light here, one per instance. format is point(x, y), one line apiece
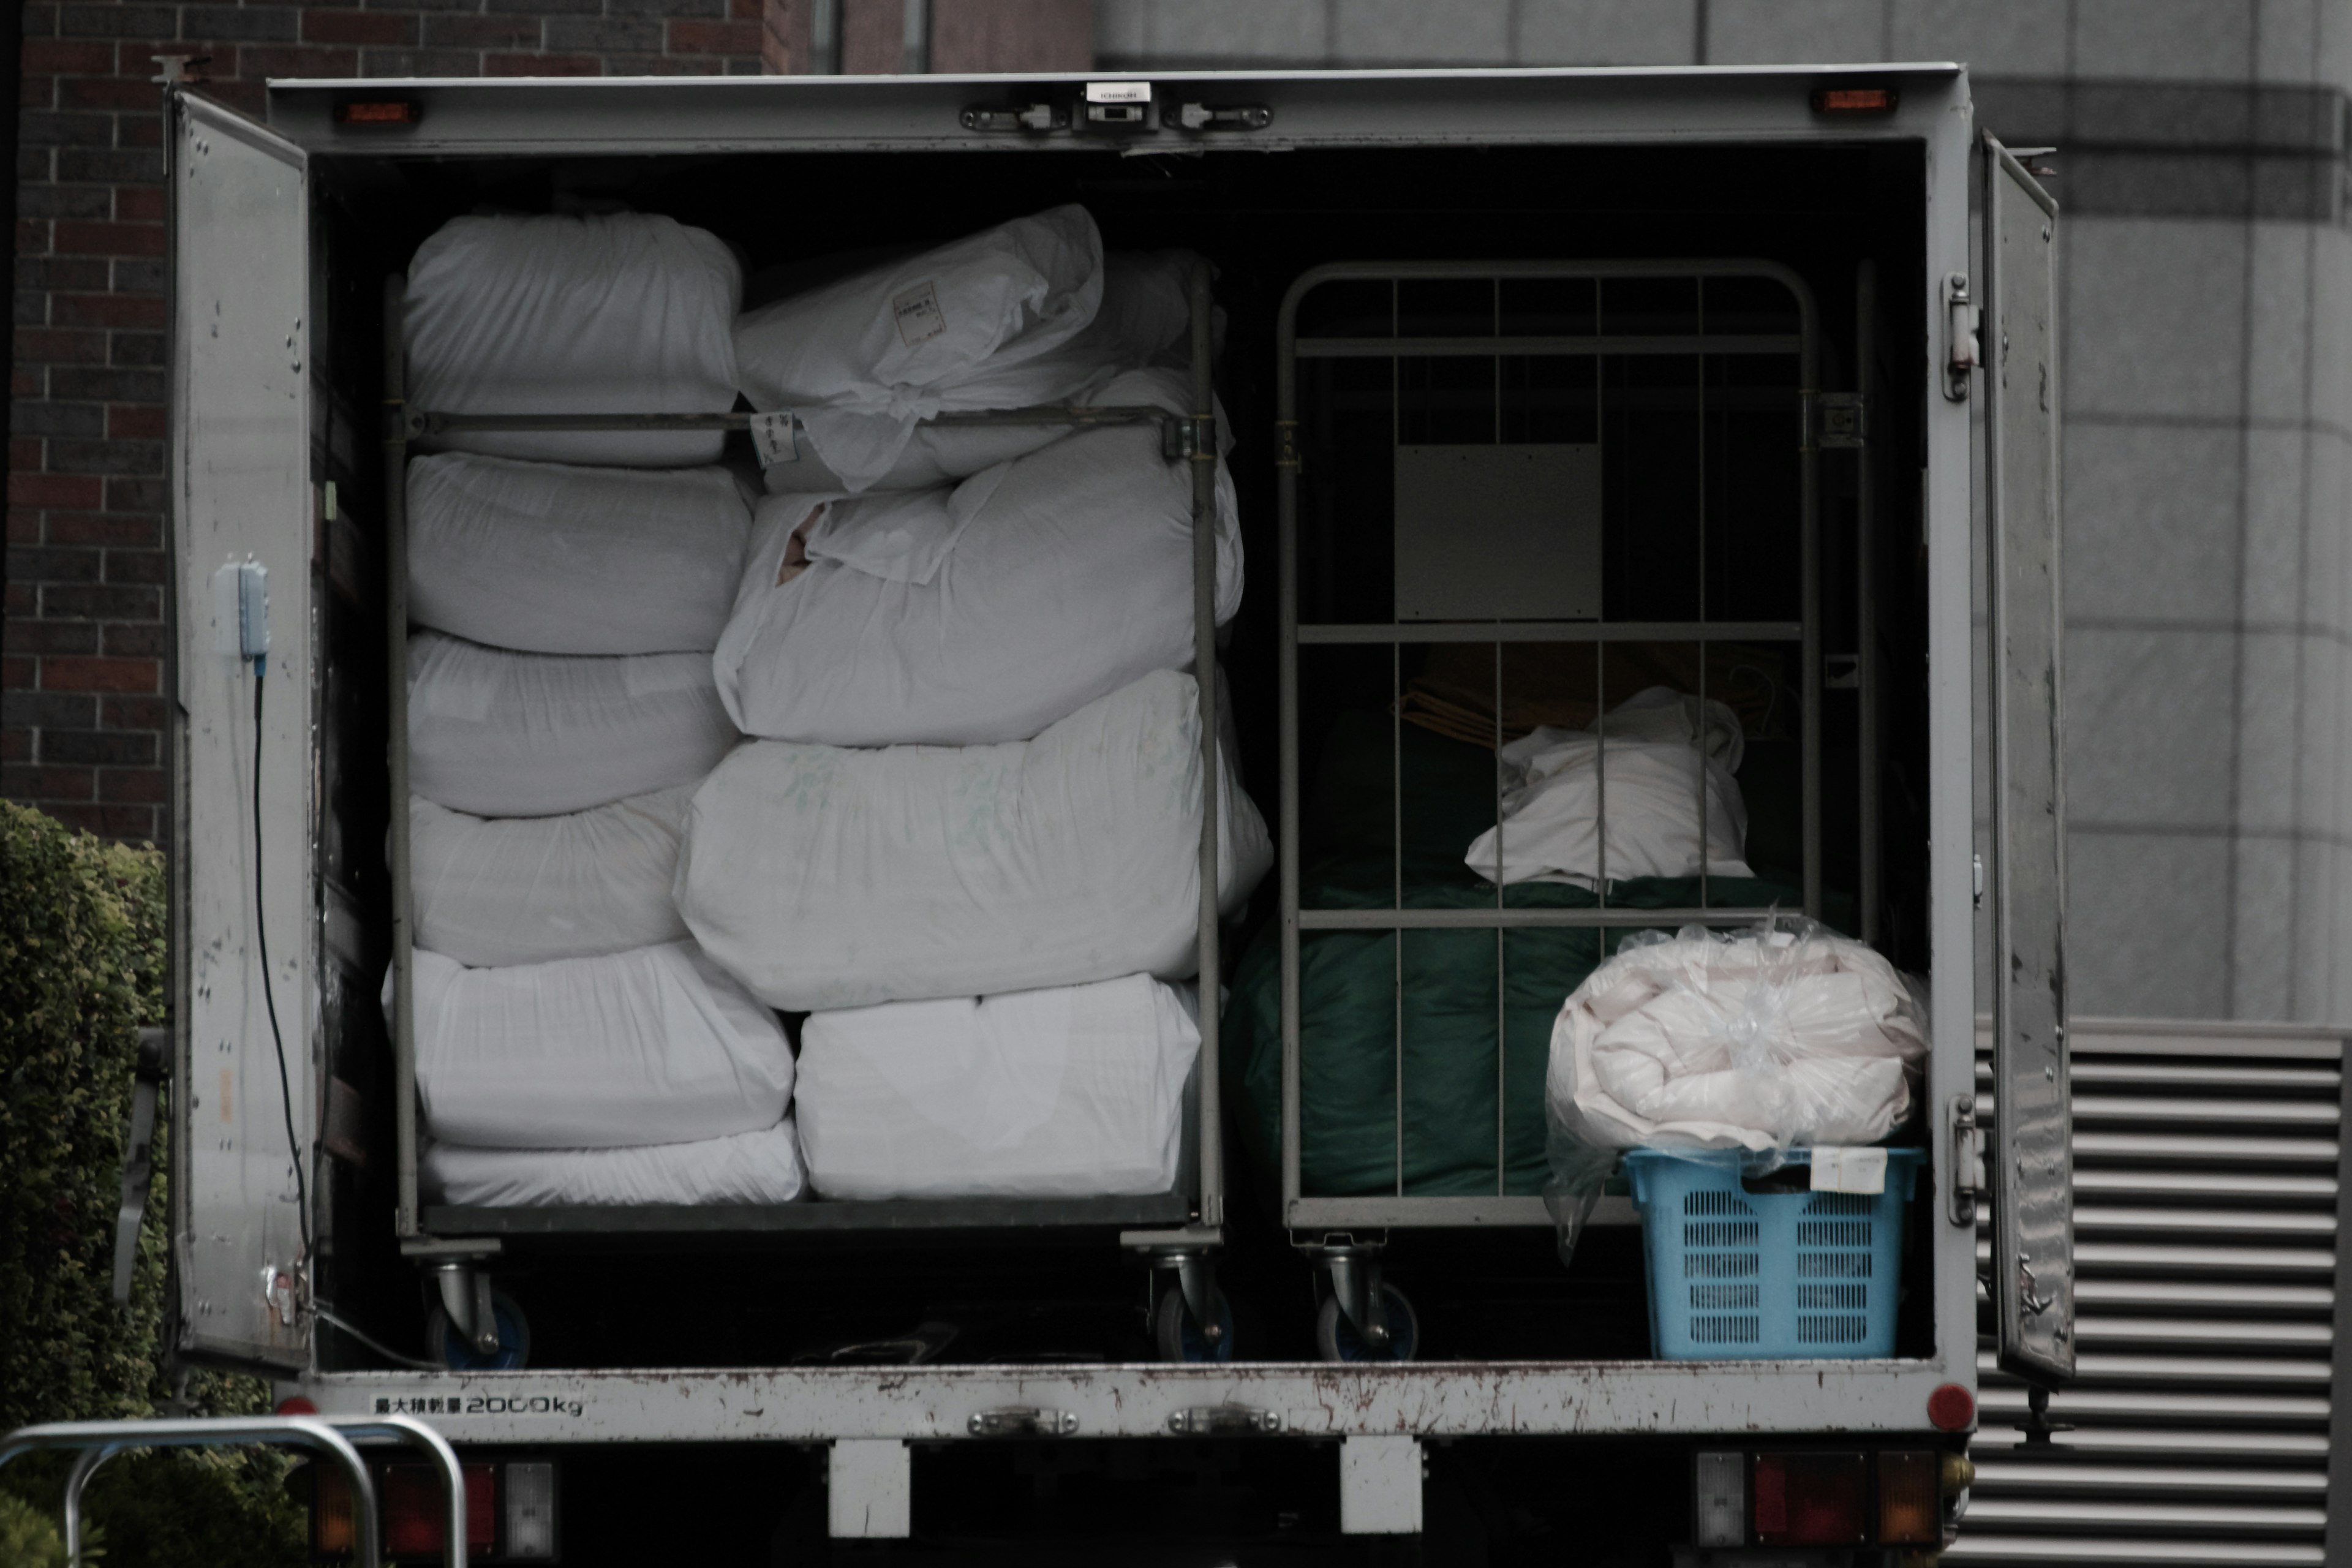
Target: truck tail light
point(531, 1509)
point(1811, 1499)
point(1719, 1511)
point(1910, 1511)
point(331, 1512)
point(413, 1510)
point(392, 111)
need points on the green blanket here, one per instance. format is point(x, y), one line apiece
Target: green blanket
point(1349, 1035)
point(1350, 1041)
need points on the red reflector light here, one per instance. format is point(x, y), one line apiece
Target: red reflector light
point(1811, 1499)
point(393, 112)
point(295, 1404)
point(1854, 100)
point(412, 1509)
point(1951, 1408)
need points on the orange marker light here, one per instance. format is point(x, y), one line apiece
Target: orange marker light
point(1855, 100)
point(390, 112)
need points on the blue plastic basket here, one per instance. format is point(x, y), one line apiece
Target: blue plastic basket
point(1738, 1275)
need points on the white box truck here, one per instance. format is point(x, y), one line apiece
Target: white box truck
point(1618, 377)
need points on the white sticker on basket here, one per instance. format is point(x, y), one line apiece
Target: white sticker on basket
point(772, 437)
point(1850, 1171)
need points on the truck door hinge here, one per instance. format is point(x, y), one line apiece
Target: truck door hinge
point(1222, 1421)
point(1022, 1421)
point(1016, 117)
point(1963, 320)
point(1967, 1184)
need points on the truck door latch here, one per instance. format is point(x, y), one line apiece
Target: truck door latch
point(1962, 321)
point(1022, 1421)
point(1967, 1184)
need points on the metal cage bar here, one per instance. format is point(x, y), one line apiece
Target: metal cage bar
point(1193, 438)
point(1300, 1211)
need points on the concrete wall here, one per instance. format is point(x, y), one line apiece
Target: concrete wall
point(2207, 386)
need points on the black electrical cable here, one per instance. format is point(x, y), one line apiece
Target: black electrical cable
point(269, 994)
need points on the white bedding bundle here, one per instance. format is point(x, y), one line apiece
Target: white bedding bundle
point(523, 734)
point(748, 1168)
point(1073, 1091)
point(526, 890)
point(827, 878)
point(621, 313)
point(863, 359)
point(653, 1046)
point(1142, 320)
point(979, 614)
point(1789, 1036)
point(1644, 764)
point(547, 558)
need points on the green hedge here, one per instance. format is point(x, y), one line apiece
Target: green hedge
point(82, 926)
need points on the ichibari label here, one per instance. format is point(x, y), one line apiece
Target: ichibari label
point(919, 317)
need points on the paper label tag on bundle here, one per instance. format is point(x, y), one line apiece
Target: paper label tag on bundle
point(1850, 1171)
point(772, 439)
point(920, 316)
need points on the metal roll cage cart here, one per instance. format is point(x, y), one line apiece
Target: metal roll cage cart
point(1345, 1236)
point(1174, 1232)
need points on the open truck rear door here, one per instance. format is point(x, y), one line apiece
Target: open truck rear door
point(242, 853)
point(2031, 1166)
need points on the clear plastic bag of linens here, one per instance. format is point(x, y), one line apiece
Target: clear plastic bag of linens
point(1777, 1036)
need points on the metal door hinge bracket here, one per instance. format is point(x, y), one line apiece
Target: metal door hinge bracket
point(1967, 1184)
point(1839, 419)
point(1285, 443)
point(1962, 321)
point(1016, 117)
point(1022, 1421)
point(1223, 116)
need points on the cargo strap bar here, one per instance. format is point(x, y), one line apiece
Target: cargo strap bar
point(1549, 347)
point(1553, 631)
point(421, 423)
point(95, 1442)
point(1492, 918)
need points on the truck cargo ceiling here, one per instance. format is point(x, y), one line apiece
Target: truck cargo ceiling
point(1185, 112)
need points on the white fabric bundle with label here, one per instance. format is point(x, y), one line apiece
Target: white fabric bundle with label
point(1143, 321)
point(748, 1168)
point(526, 890)
point(1073, 1091)
point(547, 558)
point(831, 878)
point(531, 734)
point(653, 1046)
point(1658, 746)
point(981, 614)
point(1787, 1037)
point(622, 314)
point(861, 360)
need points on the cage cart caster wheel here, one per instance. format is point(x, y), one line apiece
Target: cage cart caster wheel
point(1337, 1339)
point(1179, 1332)
point(514, 1339)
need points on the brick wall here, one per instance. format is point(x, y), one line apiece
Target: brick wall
point(82, 695)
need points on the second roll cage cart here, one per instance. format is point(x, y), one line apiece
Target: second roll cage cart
point(1345, 1235)
point(1177, 1233)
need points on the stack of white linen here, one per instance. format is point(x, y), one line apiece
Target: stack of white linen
point(966, 836)
point(573, 1045)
